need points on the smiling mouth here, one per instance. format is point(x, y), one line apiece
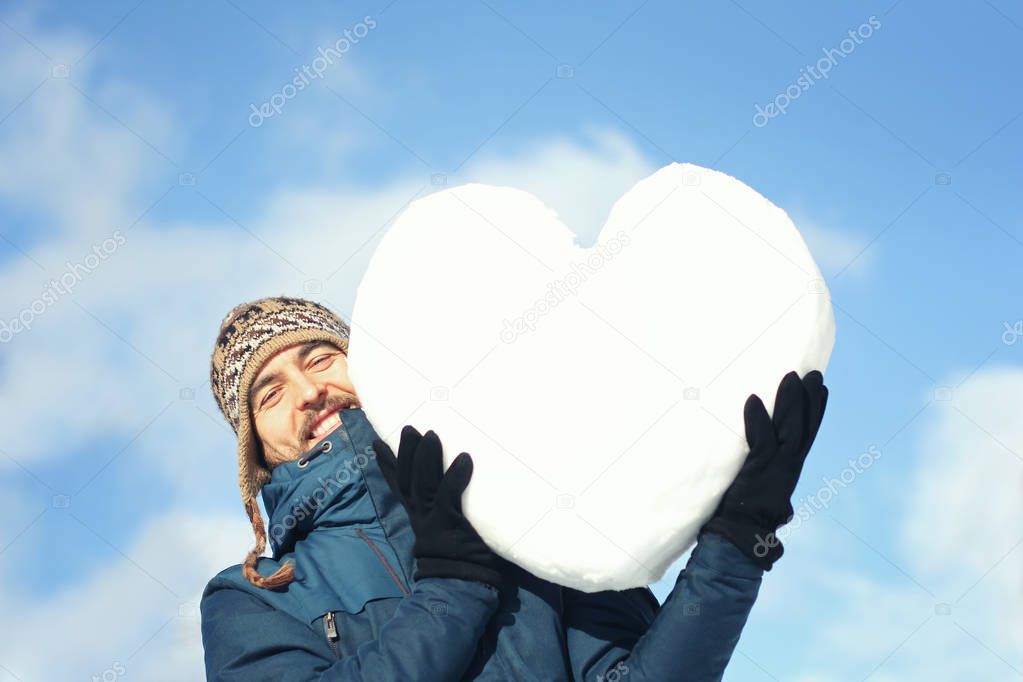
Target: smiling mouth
point(329, 421)
point(325, 426)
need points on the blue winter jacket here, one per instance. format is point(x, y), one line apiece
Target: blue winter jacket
point(354, 613)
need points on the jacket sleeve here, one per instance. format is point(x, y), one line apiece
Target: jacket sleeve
point(622, 635)
point(432, 634)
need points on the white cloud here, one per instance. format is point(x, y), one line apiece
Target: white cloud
point(836, 250)
point(958, 535)
point(140, 616)
point(66, 160)
point(580, 181)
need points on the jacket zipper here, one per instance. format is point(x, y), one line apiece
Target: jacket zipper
point(383, 560)
point(330, 629)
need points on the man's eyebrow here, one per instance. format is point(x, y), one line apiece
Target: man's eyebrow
point(307, 348)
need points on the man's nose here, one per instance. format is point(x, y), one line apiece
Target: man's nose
point(311, 392)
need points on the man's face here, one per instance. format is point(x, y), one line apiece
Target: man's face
point(295, 397)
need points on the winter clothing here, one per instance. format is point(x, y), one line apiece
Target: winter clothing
point(249, 335)
point(759, 500)
point(446, 546)
point(352, 613)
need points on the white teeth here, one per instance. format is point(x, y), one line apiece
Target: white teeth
point(326, 425)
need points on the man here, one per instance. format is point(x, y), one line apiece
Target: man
point(377, 575)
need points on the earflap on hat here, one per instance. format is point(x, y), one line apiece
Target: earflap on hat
point(253, 474)
point(279, 578)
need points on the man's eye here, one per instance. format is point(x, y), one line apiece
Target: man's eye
point(268, 397)
point(318, 361)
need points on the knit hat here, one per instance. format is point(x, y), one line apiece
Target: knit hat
point(250, 334)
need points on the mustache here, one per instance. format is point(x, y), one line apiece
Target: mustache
point(333, 404)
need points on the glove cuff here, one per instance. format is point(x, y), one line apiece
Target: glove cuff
point(761, 546)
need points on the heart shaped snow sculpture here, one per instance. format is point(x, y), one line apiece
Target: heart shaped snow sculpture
point(599, 390)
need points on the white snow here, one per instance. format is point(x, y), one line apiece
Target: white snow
point(599, 390)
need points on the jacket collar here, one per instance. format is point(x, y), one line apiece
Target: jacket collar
point(324, 487)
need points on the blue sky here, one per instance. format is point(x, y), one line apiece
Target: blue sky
point(132, 120)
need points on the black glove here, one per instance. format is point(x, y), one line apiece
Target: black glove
point(446, 544)
point(759, 499)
